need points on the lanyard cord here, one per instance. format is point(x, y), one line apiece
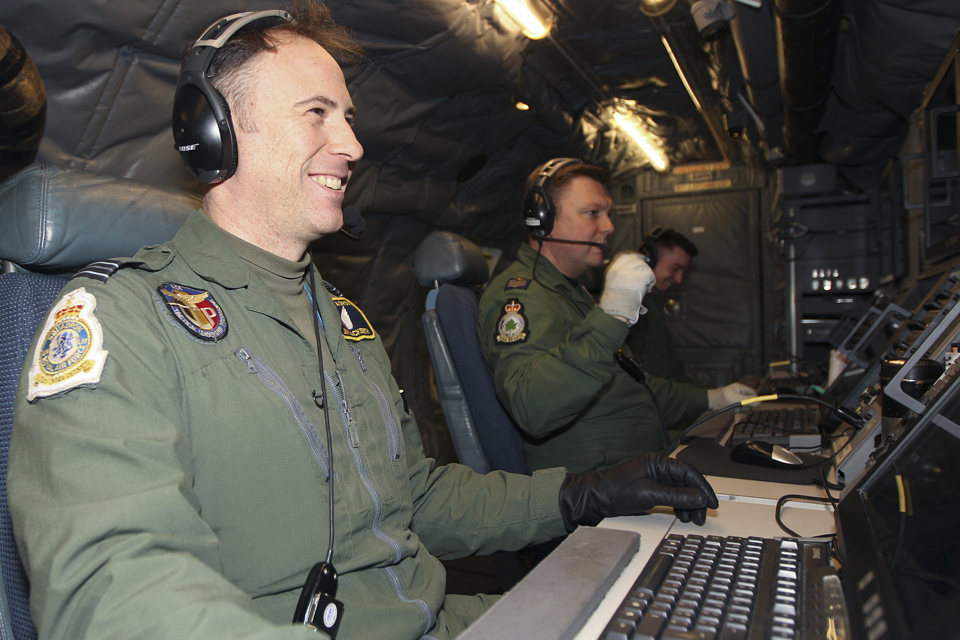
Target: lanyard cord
point(319, 400)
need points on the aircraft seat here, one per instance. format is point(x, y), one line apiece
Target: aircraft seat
point(54, 221)
point(483, 434)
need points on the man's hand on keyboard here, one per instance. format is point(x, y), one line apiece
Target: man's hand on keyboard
point(635, 487)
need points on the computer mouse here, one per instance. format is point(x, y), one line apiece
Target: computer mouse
point(764, 454)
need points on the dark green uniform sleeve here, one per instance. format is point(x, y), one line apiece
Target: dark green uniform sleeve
point(107, 523)
point(650, 339)
point(458, 512)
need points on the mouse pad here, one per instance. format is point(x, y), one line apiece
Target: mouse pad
point(713, 459)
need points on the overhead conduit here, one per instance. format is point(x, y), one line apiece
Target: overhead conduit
point(753, 34)
point(806, 45)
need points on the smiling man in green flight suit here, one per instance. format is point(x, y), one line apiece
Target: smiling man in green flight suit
point(173, 472)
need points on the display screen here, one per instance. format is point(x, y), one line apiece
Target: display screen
point(914, 512)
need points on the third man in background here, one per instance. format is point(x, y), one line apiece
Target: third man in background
point(670, 254)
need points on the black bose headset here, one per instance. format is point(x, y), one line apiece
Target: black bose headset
point(539, 211)
point(649, 246)
point(202, 127)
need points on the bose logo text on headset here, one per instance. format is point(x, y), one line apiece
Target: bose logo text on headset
point(202, 127)
point(539, 210)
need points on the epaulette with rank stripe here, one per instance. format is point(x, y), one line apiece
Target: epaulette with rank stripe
point(332, 289)
point(98, 270)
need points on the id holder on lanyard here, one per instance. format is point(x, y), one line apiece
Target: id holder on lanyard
point(318, 608)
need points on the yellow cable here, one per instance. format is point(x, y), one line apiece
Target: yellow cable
point(772, 396)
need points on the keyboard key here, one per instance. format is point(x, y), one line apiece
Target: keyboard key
point(653, 573)
point(680, 634)
point(618, 630)
point(650, 627)
point(733, 632)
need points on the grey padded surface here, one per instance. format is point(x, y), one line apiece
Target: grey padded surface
point(558, 596)
point(57, 220)
point(445, 257)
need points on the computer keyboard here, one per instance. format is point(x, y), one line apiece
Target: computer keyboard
point(794, 428)
point(728, 588)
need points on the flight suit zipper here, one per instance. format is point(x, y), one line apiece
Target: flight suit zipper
point(350, 431)
point(273, 381)
point(393, 429)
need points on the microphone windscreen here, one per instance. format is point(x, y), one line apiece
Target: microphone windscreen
point(353, 222)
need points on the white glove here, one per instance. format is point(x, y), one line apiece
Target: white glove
point(628, 279)
point(730, 394)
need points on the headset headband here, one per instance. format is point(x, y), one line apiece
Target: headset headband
point(202, 127)
point(538, 209)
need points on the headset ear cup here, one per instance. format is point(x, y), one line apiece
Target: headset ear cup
point(538, 213)
point(202, 130)
point(650, 250)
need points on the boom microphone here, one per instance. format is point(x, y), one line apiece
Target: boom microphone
point(601, 245)
point(353, 223)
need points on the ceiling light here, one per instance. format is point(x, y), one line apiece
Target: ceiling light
point(654, 8)
point(534, 19)
point(522, 106)
point(631, 125)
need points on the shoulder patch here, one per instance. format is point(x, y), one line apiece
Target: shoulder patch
point(353, 324)
point(195, 310)
point(517, 283)
point(99, 270)
point(512, 325)
point(70, 351)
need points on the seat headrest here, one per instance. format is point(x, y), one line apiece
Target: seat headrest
point(58, 220)
point(446, 258)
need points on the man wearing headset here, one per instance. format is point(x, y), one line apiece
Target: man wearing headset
point(669, 254)
point(226, 423)
point(555, 352)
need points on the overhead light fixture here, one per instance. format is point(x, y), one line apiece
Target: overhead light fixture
point(631, 125)
point(533, 17)
point(654, 8)
point(522, 106)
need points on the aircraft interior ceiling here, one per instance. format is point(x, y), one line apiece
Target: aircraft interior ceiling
point(795, 81)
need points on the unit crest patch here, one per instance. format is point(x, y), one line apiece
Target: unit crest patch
point(353, 323)
point(512, 326)
point(517, 283)
point(70, 351)
point(195, 310)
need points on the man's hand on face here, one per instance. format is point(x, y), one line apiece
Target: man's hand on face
point(628, 279)
point(635, 487)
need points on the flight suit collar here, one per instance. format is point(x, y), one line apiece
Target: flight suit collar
point(203, 247)
point(549, 276)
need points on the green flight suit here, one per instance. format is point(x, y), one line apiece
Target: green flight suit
point(553, 351)
point(184, 493)
point(650, 339)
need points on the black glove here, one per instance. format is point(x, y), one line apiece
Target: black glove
point(634, 487)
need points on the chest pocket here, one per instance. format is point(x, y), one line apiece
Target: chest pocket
point(394, 441)
point(273, 382)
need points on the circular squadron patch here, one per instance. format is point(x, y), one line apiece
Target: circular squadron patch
point(196, 310)
point(70, 351)
point(512, 324)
